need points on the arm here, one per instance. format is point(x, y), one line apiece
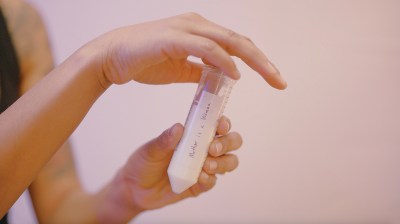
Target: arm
point(57, 180)
point(141, 184)
point(28, 124)
point(48, 113)
point(56, 193)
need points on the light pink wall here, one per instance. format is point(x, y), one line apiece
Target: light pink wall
point(325, 150)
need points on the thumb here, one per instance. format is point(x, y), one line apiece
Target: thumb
point(164, 145)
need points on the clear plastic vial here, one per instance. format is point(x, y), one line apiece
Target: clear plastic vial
point(208, 105)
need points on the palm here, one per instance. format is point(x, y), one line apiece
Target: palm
point(147, 177)
point(152, 191)
point(170, 71)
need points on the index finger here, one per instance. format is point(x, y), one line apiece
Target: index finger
point(242, 47)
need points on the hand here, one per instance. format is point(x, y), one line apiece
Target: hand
point(156, 52)
point(145, 178)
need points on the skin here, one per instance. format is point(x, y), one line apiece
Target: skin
point(157, 56)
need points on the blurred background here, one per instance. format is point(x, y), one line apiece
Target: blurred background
point(326, 150)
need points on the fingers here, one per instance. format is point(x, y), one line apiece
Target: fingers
point(164, 144)
point(191, 73)
point(221, 165)
point(219, 161)
point(224, 125)
point(225, 144)
point(240, 46)
point(204, 48)
point(204, 183)
point(206, 180)
point(182, 71)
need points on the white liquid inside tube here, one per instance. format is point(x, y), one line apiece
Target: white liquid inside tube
point(200, 127)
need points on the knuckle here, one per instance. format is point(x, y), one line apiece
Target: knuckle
point(231, 33)
point(208, 46)
point(237, 139)
point(186, 19)
point(193, 15)
point(248, 39)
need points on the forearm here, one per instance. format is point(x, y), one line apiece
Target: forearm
point(109, 205)
point(115, 202)
point(35, 126)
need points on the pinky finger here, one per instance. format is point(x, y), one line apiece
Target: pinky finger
point(206, 180)
point(205, 183)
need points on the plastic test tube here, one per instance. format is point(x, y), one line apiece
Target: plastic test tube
point(209, 102)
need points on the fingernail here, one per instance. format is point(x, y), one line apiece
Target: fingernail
point(172, 136)
point(271, 68)
point(228, 124)
point(237, 74)
point(218, 146)
point(213, 165)
point(172, 129)
point(283, 82)
point(204, 176)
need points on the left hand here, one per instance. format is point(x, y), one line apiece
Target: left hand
point(157, 52)
point(145, 174)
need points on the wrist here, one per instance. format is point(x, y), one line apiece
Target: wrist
point(91, 56)
point(115, 204)
point(111, 58)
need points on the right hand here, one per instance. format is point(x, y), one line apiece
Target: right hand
point(156, 52)
point(143, 183)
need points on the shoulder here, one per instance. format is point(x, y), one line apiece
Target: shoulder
point(30, 39)
point(18, 13)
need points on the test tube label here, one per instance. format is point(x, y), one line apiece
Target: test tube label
point(199, 132)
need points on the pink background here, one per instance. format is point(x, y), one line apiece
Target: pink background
point(326, 150)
